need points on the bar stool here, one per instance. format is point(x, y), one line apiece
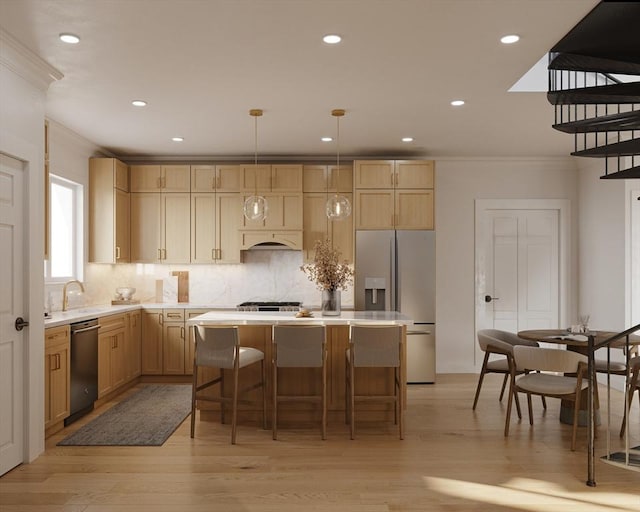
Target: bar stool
point(218, 347)
point(299, 346)
point(375, 346)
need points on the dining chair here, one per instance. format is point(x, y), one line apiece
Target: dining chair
point(538, 360)
point(299, 346)
point(494, 342)
point(219, 347)
point(634, 385)
point(375, 346)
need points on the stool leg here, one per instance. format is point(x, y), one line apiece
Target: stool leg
point(264, 396)
point(274, 412)
point(324, 396)
point(193, 399)
point(234, 410)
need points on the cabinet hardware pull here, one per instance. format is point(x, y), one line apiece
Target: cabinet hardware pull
point(117, 252)
point(213, 183)
point(392, 179)
point(218, 181)
point(396, 179)
point(58, 362)
point(164, 254)
point(182, 332)
point(161, 319)
point(159, 254)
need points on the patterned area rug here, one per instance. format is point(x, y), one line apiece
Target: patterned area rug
point(146, 418)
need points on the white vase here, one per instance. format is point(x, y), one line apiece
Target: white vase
point(330, 302)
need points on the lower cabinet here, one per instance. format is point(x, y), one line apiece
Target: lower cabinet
point(57, 378)
point(132, 341)
point(173, 342)
point(112, 367)
point(151, 346)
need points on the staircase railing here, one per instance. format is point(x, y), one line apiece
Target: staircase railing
point(626, 340)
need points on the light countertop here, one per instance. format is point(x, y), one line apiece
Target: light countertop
point(270, 318)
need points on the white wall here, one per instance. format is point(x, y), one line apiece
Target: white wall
point(458, 184)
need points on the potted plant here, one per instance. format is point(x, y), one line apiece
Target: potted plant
point(330, 275)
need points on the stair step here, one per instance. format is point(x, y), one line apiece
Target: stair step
point(624, 148)
point(574, 62)
point(604, 94)
point(619, 459)
point(623, 121)
point(625, 174)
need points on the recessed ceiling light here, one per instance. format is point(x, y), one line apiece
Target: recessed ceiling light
point(69, 38)
point(457, 103)
point(326, 139)
point(407, 139)
point(510, 39)
point(177, 139)
point(139, 103)
point(332, 39)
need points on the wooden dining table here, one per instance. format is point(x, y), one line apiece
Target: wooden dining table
point(586, 343)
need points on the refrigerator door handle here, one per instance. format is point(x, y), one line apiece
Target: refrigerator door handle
point(417, 333)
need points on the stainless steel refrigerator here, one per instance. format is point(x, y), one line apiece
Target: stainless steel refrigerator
point(395, 271)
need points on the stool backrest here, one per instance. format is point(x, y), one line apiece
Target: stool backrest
point(299, 346)
point(501, 339)
point(376, 345)
point(547, 359)
point(216, 346)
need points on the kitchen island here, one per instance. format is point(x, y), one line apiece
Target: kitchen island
point(255, 331)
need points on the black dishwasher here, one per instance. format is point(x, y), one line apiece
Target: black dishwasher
point(84, 368)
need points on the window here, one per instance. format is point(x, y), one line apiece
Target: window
point(66, 227)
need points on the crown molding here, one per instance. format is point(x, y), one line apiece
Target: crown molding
point(25, 63)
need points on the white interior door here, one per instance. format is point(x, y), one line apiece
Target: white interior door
point(518, 267)
point(11, 307)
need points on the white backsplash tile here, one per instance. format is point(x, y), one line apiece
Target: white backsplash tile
point(265, 275)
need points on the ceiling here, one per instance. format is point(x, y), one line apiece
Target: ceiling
point(202, 64)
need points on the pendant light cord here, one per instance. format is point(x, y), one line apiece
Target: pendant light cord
point(255, 158)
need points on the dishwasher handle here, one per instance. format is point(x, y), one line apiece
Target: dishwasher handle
point(92, 328)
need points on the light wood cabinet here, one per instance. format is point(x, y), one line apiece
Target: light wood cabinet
point(293, 239)
point(160, 227)
point(160, 178)
point(271, 178)
point(132, 341)
point(285, 212)
point(173, 342)
point(212, 178)
point(317, 226)
point(57, 377)
point(323, 178)
point(151, 346)
point(215, 220)
point(394, 194)
point(109, 211)
point(112, 366)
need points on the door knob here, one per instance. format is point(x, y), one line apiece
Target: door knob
point(20, 323)
point(489, 298)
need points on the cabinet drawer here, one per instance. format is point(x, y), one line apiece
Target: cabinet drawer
point(173, 315)
point(111, 322)
point(55, 335)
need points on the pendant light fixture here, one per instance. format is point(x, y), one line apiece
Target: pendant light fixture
point(255, 207)
point(338, 206)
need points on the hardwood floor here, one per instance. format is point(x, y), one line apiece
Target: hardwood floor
point(452, 459)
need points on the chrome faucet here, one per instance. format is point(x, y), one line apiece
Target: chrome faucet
point(65, 299)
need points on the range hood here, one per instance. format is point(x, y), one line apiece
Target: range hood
point(271, 240)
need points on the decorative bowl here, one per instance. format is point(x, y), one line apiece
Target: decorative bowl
point(126, 293)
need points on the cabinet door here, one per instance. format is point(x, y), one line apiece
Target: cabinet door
point(374, 209)
point(315, 178)
point(248, 175)
point(122, 251)
point(203, 178)
point(121, 175)
point(118, 361)
point(57, 383)
point(145, 228)
point(176, 178)
point(285, 211)
point(316, 223)
point(374, 174)
point(176, 233)
point(228, 178)
point(135, 337)
point(342, 235)
point(414, 209)
point(151, 346)
point(203, 228)
point(145, 178)
point(286, 178)
point(173, 342)
point(414, 174)
point(105, 345)
point(340, 179)
point(228, 221)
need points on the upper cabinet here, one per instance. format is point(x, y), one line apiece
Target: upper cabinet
point(323, 178)
point(160, 178)
point(109, 209)
point(271, 178)
point(394, 194)
point(215, 178)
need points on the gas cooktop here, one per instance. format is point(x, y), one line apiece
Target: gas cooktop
point(269, 306)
